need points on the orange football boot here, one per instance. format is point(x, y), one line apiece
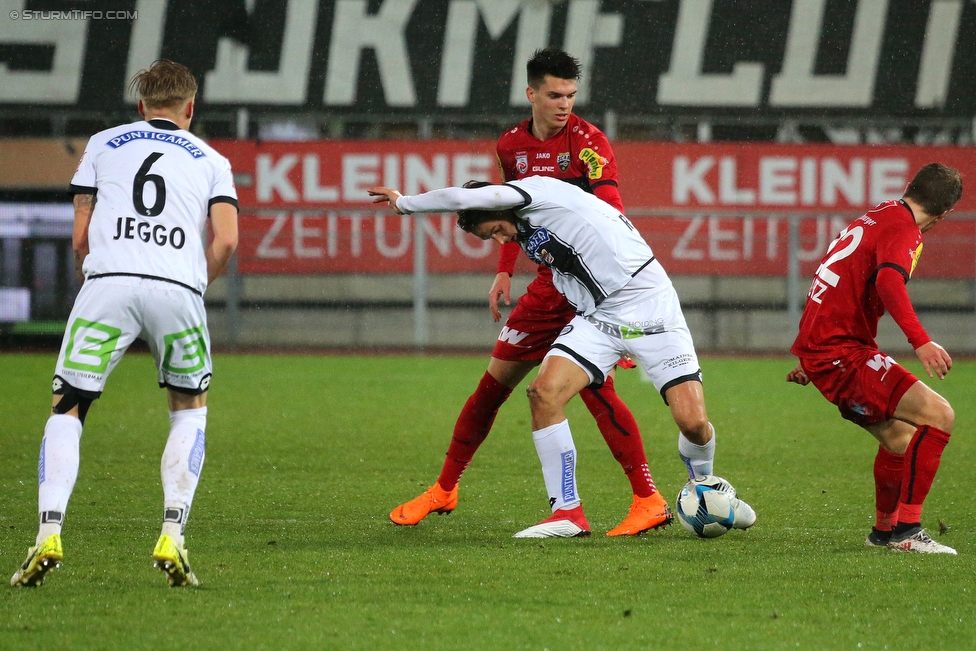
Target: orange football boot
point(434, 500)
point(646, 513)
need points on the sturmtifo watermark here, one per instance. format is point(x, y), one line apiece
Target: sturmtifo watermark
point(72, 14)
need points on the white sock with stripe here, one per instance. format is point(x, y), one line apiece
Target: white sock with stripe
point(57, 471)
point(180, 468)
point(699, 459)
point(557, 453)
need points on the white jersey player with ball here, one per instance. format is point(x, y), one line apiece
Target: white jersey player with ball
point(625, 303)
point(144, 194)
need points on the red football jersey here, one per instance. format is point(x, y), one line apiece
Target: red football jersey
point(579, 154)
point(843, 306)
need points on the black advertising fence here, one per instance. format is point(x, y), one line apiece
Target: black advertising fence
point(443, 58)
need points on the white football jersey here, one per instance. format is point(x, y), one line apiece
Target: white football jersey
point(592, 250)
point(154, 184)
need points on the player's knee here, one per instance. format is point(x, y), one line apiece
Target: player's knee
point(542, 396)
point(943, 415)
point(68, 403)
point(695, 428)
point(72, 398)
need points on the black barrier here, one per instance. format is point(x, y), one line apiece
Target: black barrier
point(765, 58)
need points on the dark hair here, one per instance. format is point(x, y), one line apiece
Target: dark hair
point(551, 61)
point(936, 188)
point(469, 219)
point(166, 85)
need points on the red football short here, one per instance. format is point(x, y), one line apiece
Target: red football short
point(864, 383)
point(538, 317)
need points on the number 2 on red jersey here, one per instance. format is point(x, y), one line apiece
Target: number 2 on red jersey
point(827, 277)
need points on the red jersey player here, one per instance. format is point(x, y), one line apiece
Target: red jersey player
point(863, 274)
point(556, 143)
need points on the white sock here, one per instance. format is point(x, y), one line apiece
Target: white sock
point(700, 459)
point(57, 471)
point(557, 453)
point(180, 468)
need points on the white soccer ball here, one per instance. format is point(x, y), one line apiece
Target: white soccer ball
point(704, 506)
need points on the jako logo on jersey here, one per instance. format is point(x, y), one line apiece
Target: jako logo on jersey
point(594, 162)
point(915, 255)
point(563, 160)
point(536, 242)
point(149, 232)
point(522, 163)
point(510, 336)
point(155, 136)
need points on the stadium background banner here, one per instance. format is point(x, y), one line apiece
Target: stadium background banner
point(442, 57)
point(710, 209)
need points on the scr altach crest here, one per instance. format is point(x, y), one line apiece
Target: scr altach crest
point(522, 163)
point(563, 160)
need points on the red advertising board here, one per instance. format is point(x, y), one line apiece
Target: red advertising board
point(716, 209)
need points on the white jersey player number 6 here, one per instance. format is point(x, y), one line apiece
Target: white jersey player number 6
point(139, 186)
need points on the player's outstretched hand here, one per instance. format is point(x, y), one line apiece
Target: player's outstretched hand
point(797, 375)
point(935, 359)
point(500, 288)
point(385, 195)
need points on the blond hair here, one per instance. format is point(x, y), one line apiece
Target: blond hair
point(165, 85)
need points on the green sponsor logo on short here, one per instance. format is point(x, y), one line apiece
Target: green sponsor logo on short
point(630, 333)
point(90, 346)
point(186, 352)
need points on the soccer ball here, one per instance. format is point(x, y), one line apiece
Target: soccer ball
point(704, 506)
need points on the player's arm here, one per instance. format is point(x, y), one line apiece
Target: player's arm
point(602, 174)
point(890, 283)
point(491, 197)
point(84, 205)
point(501, 286)
point(223, 222)
point(609, 193)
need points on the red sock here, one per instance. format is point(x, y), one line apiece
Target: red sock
point(888, 471)
point(921, 463)
point(472, 427)
point(622, 435)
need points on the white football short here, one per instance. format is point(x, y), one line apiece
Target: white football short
point(652, 331)
point(110, 313)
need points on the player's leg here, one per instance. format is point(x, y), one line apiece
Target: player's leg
point(933, 419)
point(621, 433)
point(179, 469)
point(559, 379)
point(478, 415)
point(687, 403)
point(176, 329)
point(648, 508)
point(910, 420)
point(99, 331)
point(696, 436)
point(528, 332)
point(470, 431)
point(889, 463)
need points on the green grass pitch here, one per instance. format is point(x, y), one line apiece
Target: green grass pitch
point(307, 455)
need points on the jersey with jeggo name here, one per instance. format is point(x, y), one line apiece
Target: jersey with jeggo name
point(154, 184)
point(843, 307)
point(592, 250)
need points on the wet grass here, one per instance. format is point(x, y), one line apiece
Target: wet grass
point(307, 455)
